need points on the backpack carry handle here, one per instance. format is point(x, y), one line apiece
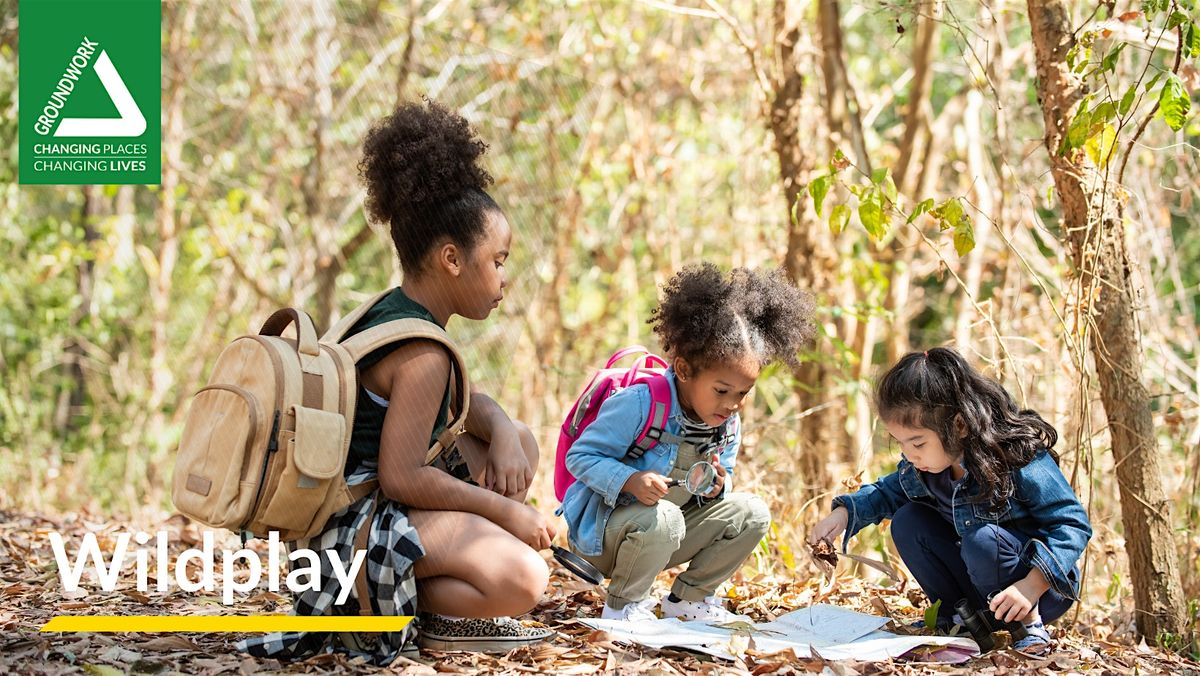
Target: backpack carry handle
point(646, 361)
point(633, 349)
point(305, 331)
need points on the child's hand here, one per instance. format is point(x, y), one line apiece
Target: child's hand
point(506, 470)
point(647, 487)
point(719, 480)
point(830, 527)
point(528, 525)
point(1015, 602)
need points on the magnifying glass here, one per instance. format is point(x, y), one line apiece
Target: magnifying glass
point(577, 565)
point(699, 479)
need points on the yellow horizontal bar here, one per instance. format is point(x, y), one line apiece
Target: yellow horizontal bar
point(224, 623)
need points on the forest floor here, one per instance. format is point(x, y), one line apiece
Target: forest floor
point(1095, 641)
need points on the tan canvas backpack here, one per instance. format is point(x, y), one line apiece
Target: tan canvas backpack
point(266, 440)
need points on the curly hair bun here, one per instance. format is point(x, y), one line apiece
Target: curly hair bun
point(706, 316)
point(420, 166)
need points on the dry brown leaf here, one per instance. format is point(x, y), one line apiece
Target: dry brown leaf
point(599, 636)
point(170, 642)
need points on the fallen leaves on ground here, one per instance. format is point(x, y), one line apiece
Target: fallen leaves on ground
point(1100, 641)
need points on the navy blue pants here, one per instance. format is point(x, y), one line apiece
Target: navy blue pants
point(984, 561)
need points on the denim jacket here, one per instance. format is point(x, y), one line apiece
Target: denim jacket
point(1043, 508)
point(597, 460)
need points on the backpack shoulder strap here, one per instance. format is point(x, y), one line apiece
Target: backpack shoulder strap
point(338, 331)
point(361, 344)
point(655, 429)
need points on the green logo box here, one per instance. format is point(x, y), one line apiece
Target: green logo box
point(90, 92)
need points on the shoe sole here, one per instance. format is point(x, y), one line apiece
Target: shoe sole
point(477, 645)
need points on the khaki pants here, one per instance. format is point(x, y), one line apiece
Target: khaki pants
point(641, 541)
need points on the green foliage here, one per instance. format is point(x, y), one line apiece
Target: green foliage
point(870, 212)
point(1174, 102)
point(839, 216)
point(818, 188)
point(1097, 130)
point(931, 614)
point(953, 217)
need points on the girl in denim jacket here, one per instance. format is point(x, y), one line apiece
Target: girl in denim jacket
point(718, 332)
point(980, 509)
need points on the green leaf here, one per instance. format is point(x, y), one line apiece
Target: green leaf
point(931, 614)
point(964, 235)
point(1153, 81)
point(1103, 113)
point(1109, 64)
point(1085, 57)
point(1043, 248)
point(1127, 101)
point(1189, 41)
point(1100, 146)
point(1072, 55)
point(1177, 19)
point(889, 189)
point(878, 175)
point(923, 207)
point(838, 218)
point(949, 213)
point(1077, 132)
point(819, 188)
point(1174, 103)
point(871, 215)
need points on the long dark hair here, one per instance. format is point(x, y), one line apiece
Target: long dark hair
point(976, 419)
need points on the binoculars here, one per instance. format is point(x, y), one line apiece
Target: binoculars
point(981, 623)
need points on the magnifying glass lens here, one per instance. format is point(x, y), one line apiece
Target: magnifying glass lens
point(577, 565)
point(700, 478)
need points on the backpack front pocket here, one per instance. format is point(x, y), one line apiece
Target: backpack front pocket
point(213, 480)
point(314, 455)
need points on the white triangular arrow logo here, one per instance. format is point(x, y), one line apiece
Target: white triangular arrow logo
point(131, 122)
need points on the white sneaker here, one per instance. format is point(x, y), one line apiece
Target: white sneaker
point(642, 610)
point(710, 609)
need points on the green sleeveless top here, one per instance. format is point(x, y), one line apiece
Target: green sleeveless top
point(369, 414)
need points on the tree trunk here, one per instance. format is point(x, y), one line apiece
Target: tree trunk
point(324, 60)
point(810, 260)
point(72, 396)
point(916, 119)
point(1093, 228)
point(908, 171)
point(844, 123)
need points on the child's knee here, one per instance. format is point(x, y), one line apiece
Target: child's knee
point(982, 543)
point(526, 581)
point(662, 523)
point(752, 512)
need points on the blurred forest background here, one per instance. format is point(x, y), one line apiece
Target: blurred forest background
point(1015, 179)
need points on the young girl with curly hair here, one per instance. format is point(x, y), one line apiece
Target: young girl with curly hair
point(718, 331)
point(462, 545)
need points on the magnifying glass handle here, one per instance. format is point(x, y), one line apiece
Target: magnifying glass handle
point(674, 482)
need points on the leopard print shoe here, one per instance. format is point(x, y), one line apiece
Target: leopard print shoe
point(489, 635)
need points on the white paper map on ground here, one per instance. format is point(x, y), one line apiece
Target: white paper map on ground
point(835, 633)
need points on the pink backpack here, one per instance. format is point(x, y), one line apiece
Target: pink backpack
point(648, 369)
